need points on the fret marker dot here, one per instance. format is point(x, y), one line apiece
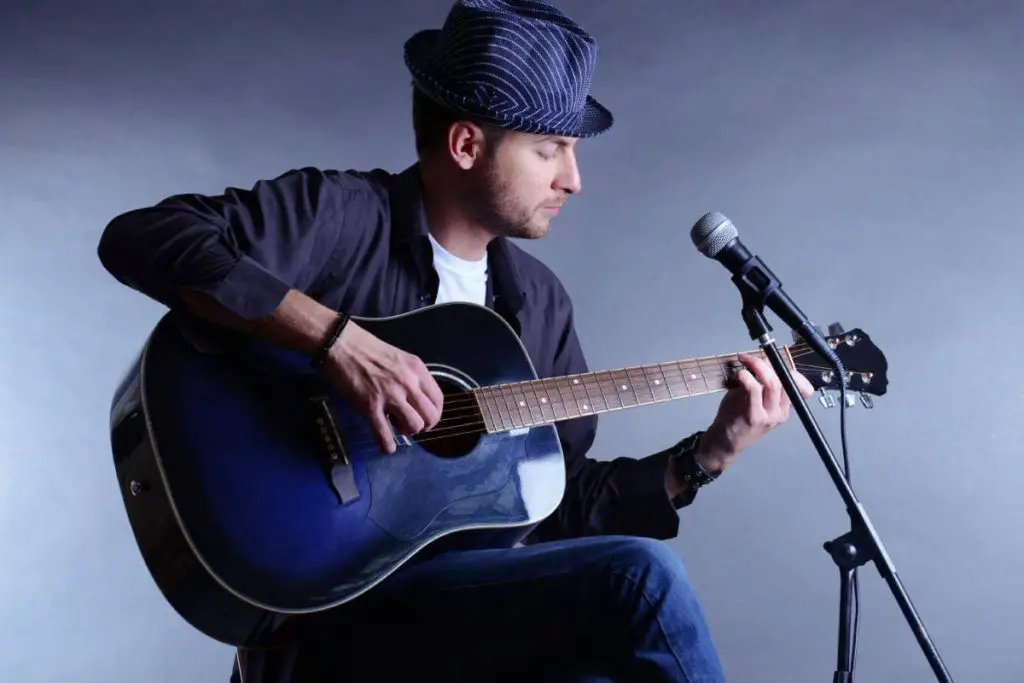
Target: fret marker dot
point(522, 403)
point(575, 381)
point(543, 400)
point(623, 387)
point(657, 381)
point(693, 376)
point(585, 407)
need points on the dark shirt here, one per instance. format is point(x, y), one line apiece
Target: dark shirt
point(357, 241)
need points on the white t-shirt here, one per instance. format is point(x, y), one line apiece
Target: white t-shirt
point(460, 280)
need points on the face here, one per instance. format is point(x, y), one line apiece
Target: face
point(516, 185)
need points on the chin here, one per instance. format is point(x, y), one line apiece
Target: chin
point(533, 231)
point(536, 232)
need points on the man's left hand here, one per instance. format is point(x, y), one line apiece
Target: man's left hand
point(754, 405)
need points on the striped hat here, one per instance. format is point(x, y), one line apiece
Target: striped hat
point(517, 64)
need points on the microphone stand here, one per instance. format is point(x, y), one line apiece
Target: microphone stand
point(861, 544)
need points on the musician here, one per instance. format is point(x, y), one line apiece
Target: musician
point(500, 103)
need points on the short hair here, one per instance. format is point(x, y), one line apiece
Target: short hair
point(431, 121)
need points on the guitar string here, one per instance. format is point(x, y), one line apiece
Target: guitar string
point(457, 404)
point(474, 425)
point(599, 382)
point(696, 369)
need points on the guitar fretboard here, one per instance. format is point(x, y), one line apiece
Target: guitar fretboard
point(517, 405)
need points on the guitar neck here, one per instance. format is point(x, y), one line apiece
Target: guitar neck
point(517, 405)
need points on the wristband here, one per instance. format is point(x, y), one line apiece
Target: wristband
point(686, 466)
point(321, 356)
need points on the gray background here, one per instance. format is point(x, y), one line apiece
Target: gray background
point(871, 152)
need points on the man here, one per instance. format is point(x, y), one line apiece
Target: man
point(500, 102)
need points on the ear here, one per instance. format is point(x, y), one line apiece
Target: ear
point(465, 144)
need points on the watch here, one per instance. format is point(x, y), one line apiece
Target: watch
point(684, 462)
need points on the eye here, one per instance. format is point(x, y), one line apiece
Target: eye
point(547, 152)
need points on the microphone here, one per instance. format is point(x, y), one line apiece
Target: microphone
point(716, 237)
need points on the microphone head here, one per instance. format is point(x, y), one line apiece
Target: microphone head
point(711, 233)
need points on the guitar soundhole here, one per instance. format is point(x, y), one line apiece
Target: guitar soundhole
point(461, 425)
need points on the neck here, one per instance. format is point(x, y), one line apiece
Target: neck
point(506, 407)
point(447, 218)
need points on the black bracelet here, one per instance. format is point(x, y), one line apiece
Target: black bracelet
point(687, 469)
point(321, 356)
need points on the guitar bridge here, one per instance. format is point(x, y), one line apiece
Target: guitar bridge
point(341, 473)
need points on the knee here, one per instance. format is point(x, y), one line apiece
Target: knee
point(653, 584)
point(652, 564)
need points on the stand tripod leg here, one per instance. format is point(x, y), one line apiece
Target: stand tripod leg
point(845, 553)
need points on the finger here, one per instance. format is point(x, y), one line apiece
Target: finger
point(803, 384)
point(430, 387)
point(753, 392)
point(768, 379)
point(407, 419)
point(381, 430)
point(424, 407)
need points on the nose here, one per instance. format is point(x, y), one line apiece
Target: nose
point(568, 179)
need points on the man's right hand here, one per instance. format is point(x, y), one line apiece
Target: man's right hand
point(384, 383)
point(380, 380)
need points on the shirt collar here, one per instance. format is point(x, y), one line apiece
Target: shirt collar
point(409, 231)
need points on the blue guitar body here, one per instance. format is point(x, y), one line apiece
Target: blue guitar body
point(259, 498)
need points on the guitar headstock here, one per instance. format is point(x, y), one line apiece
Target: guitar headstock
point(866, 366)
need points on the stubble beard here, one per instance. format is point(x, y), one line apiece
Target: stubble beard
point(492, 201)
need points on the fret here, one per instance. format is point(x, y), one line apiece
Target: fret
point(491, 397)
point(556, 398)
point(592, 387)
point(581, 404)
point(663, 381)
point(514, 416)
point(720, 373)
point(518, 400)
point(610, 391)
point(680, 384)
point(485, 397)
point(688, 377)
point(523, 402)
point(655, 383)
point(703, 376)
point(547, 412)
point(554, 391)
point(626, 392)
point(641, 385)
point(662, 390)
point(534, 402)
point(480, 396)
point(559, 402)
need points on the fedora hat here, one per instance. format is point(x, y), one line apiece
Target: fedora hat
point(516, 64)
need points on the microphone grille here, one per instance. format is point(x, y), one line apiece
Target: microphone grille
point(711, 233)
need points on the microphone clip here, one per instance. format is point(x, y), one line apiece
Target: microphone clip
point(757, 284)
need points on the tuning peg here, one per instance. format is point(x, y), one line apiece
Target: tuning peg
point(865, 400)
point(826, 399)
point(835, 329)
point(851, 400)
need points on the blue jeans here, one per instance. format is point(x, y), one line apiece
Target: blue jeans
point(605, 608)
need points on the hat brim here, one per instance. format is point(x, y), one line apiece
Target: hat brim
point(593, 120)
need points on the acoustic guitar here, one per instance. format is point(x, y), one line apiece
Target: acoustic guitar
point(259, 499)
